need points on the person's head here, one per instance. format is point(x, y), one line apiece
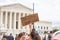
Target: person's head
point(45, 32)
point(21, 35)
point(38, 37)
point(35, 35)
point(51, 32)
point(10, 34)
point(4, 36)
point(32, 34)
point(33, 29)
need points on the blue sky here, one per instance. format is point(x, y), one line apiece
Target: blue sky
point(48, 10)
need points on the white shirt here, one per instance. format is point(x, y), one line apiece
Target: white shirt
point(46, 36)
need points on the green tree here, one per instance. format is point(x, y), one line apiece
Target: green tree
point(55, 30)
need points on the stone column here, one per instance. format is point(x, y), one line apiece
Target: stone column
point(10, 21)
point(6, 20)
point(19, 21)
point(1, 20)
point(14, 25)
point(2, 17)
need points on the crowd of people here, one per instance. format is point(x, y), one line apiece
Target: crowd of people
point(5, 37)
point(48, 36)
point(23, 36)
point(32, 36)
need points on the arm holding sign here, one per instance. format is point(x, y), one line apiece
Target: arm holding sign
point(30, 26)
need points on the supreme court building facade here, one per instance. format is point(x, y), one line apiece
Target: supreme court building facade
point(10, 18)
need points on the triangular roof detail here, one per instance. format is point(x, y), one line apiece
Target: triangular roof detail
point(16, 4)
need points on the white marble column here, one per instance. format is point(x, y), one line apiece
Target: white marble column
point(1, 17)
point(1, 20)
point(14, 25)
point(6, 20)
point(10, 21)
point(19, 21)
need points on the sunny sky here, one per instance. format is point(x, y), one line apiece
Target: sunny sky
point(48, 10)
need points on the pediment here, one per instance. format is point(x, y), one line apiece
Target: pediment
point(17, 5)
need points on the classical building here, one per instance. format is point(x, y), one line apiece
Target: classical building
point(56, 27)
point(44, 26)
point(10, 18)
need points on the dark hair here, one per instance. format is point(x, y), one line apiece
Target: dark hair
point(20, 35)
point(10, 33)
point(35, 35)
point(51, 31)
point(4, 36)
point(45, 32)
point(33, 29)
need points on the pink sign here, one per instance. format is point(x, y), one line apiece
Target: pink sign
point(56, 36)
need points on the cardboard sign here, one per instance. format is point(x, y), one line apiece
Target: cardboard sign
point(29, 19)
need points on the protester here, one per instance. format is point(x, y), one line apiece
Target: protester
point(35, 35)
point(10, 37)
point(22, 36)
point(16, 38)
point(32, 36)
point(19, 36)
point(4, 37)
point(45, 36)
point(39, 31)
point(50, 35)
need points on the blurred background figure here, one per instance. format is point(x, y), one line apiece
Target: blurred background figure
point(16, 38)
point(45, 36)
point(4, 37)
point(10, 37)
point(50, 35)
point(39, 31)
